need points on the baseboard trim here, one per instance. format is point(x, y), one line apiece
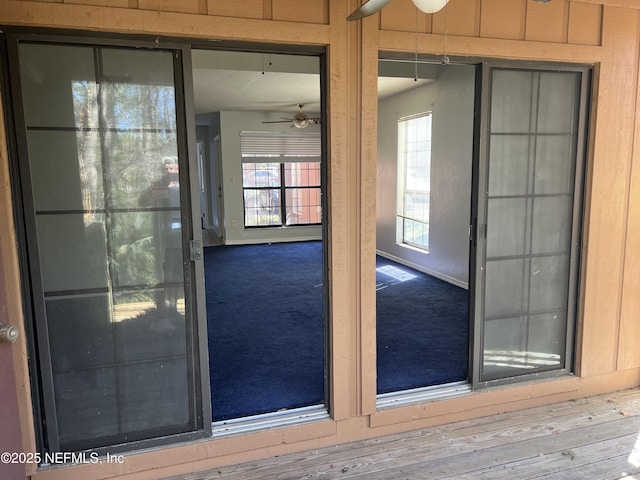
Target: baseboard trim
point(428, 271)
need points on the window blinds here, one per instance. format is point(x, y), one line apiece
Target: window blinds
point(280, 147)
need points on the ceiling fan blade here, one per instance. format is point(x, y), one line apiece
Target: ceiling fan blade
point(284, 120)
point(369, 8)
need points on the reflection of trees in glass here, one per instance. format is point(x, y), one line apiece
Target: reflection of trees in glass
point(134, 125)
point(88, 144)
point(141, 122)
point(141, 131)
point(134, 258)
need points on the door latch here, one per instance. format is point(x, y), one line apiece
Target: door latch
point(195, 250)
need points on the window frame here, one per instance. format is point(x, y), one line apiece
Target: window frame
point(279, 151)
point(402, 217)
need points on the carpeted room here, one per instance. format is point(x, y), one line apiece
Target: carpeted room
point(265, 288)
point(265, 314)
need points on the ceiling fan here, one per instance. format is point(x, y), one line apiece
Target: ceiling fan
point(372, 6)
point(299, 120)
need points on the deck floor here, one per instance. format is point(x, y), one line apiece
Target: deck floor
point(597, 438)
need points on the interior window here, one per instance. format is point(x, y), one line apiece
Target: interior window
point(281, 179)
point(414, 179)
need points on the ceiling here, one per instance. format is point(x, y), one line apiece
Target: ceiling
point(241, 81)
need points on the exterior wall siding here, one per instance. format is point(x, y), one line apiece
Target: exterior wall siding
point(604, 33)
point(558, 22)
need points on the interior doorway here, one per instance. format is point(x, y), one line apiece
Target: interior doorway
point(258, 117)
point(480, 191)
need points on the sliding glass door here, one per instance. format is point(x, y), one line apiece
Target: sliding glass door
point(528, 221)
point(104, 178)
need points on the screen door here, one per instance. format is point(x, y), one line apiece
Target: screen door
point(530, 184)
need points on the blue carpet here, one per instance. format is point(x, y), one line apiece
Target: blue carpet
point(422, 329)
point(266, 331)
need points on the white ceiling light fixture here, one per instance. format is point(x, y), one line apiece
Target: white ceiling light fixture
point(372, 6)
point(430, 6)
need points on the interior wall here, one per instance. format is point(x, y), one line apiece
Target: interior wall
point(231, 124)
point(450, 98)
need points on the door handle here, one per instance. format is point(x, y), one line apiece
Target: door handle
point(9, 333)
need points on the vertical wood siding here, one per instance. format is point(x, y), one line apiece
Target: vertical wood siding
point(555, 22)
point(609, 196)
point(306, 11)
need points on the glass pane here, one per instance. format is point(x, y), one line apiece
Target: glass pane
point(509, 164)
point(511, 101)
point(160, 385)
point(142, 169)
point(416, 233)
point(69, 71)
point(554, 172)
point(547, 337)
point(303, 206)
point(260, 175)
point(109, 232)
point(551, 215)
point(66, 170)
point(147, 248)
point(416, 205)
point(261, 207)
point(80, 316)
point(504, 292)
point(557, 104)
point(86, 405)
point(146, 332)
point(73, 252)
point(514, 345)
point(549, 277)
point(506, 227)
point(504, 346)
point(138, 90)
point(302, 174)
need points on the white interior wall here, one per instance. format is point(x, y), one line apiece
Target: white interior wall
point(451, 99)
point(231, 124)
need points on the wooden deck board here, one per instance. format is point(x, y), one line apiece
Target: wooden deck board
point(592, 438)
point(496, 457)
point(570, 460)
